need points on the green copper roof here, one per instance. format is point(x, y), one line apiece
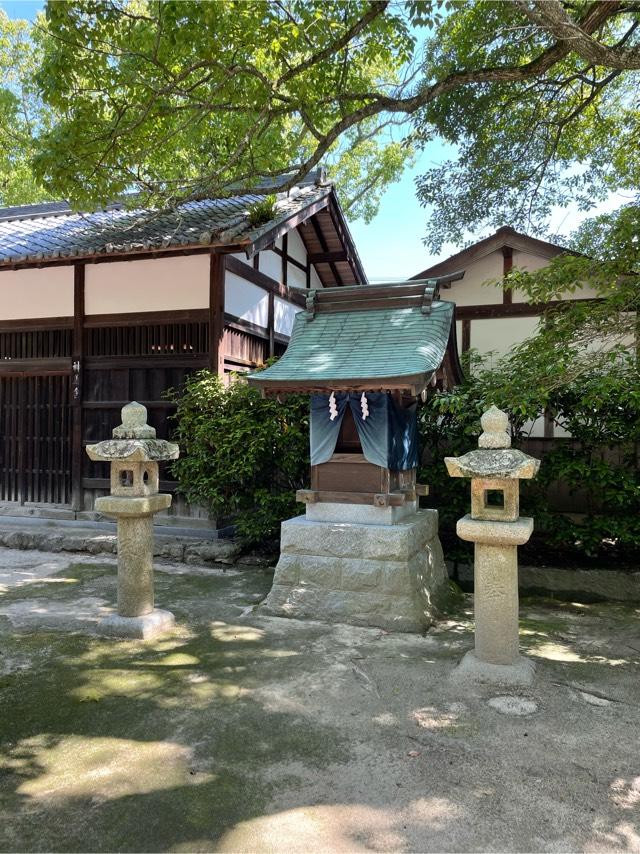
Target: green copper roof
point(386, 347)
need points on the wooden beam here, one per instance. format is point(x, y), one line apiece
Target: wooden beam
point(507, 265)
point(216, 312)
point(516, 309)
point(342, 228)
point(325, 248)
point(36, 324)
point(131, 255)
point(77, 366)
point(326, 257)
point(143, 318)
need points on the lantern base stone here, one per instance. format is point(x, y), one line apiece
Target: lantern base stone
point(389, 576)
point(142, 628)
point(471, 669)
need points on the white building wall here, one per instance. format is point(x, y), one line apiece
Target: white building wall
point(470, 290)
point(499, 334)
point(246, 301)
point(33, 293)
point(284, 314)
point(157, 284)
point(271, 265)
point(296, 248)
point(315, 279)
point(296, 278)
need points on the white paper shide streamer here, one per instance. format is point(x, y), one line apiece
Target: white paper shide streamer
point(364, 406)
point(333, 409)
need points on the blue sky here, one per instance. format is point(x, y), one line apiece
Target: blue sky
point(391, 245)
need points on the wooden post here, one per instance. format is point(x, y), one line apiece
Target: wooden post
point(507, 264)
point(77, 353)
point(285, 258)
point(216, 313)
point(271, 325)
point(466, 335)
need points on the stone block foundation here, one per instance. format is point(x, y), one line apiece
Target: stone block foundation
point(388, 575)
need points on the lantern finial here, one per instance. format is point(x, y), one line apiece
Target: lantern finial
point(495, 424)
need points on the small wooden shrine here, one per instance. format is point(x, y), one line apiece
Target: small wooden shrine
point(365, 355)
point(364, 552)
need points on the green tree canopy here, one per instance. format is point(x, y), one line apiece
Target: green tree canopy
point(181, 99)
point(22, 114)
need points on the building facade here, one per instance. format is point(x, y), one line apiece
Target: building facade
point(491, 319)
point(116, 305)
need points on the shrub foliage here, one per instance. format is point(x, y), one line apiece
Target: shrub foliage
point(598, 465)
point(242, 456)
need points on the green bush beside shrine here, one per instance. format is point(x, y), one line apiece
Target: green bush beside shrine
point(242, 457)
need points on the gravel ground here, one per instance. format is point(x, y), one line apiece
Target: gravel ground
point(239, 732)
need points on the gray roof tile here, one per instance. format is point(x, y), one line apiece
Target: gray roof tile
point(51, 230)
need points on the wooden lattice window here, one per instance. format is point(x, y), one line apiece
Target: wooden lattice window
point(166, 339)
point(35, 344)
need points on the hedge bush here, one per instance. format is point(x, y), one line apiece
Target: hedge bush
point(242, 456)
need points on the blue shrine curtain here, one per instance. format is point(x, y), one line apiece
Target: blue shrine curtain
point(388, 435)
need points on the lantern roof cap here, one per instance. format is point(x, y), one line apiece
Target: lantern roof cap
point(134, 440)
point(494, 457)
point(133, 450)
point(498, 463)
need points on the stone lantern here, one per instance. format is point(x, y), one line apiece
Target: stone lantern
point(134, 454)
point(497, 529)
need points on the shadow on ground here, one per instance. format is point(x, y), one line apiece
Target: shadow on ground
point(245, 733)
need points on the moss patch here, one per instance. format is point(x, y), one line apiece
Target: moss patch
point(110, 745)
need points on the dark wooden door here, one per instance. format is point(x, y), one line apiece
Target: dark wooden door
point(35, 438)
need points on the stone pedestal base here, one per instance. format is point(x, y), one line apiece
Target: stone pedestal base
point(472, 670)
point(143, 628)
point(388, 575)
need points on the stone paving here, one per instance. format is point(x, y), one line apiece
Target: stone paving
point(241, 732)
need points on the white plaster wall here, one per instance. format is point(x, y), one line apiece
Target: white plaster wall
point(535, 429)
point(157, 284)
point(296, 278)
point(500, 334)
point(246, 301)
point(315, 279)
point(284, 314)
point(32, 293)
point(469, 290)
point(296, 247)
point(271, 265)
point(530, 262)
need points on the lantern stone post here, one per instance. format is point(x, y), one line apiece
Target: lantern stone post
point(497, 529)
point(134, 454)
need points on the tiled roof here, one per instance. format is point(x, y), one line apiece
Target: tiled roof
point(51, 230)
point(377, 345)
